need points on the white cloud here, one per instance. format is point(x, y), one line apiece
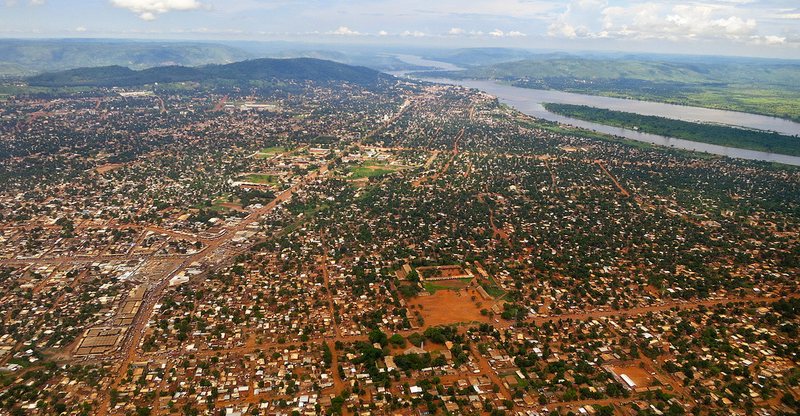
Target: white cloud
point(703, 21)
point(496, 33)
point(80, 29)
point(383, 33)
point(413, 34)
point(11, 3)
point(579, 20)
point(653, 20)
point(770, 40)
point(345, 31)
point(149, 9)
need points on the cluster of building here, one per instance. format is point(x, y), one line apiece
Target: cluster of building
point(414, 249)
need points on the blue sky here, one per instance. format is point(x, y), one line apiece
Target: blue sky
point(736, 27)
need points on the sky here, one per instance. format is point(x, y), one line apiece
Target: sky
point(721, 27)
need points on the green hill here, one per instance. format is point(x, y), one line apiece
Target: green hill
point(710, 71)
point(257, 69)
point(29, 57)
point(480, 56)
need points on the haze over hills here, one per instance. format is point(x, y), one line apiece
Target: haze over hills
point(257, 69)
point(467, 57)
point(28, 57)
point(675, 69)
point(764, 86)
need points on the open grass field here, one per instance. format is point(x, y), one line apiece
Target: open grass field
point(261, 178)
point(225, 203)
point(456, 284)
point(494, 291)
point(492, 288)
point(371, 169)
point(269, 152)
point(220, 204)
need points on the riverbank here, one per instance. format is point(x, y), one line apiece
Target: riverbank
point(697, 132)
point(766, 87)
point(531, 102)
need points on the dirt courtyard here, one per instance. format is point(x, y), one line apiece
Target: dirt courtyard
point(449, 307)
point(639, 375)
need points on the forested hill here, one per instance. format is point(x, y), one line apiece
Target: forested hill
point(299, 69)
point(26, 57)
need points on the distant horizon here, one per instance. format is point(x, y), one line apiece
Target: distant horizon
point(395, 47)
point(745, 28)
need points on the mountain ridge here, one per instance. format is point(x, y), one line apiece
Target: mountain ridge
point(249, 70)
point(26, 57)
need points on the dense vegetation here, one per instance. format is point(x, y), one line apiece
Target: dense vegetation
point(752, 85)
point(698, 132)
point(256, 69)
point(468, 57)
point(28, 57)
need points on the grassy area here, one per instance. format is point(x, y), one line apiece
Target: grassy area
point(369, 172)
point(492, 288)
point(698, 132)
point(455, 284)
point(261, 178)
point(494, 291)
point(268, 152)
point(371, 169)
point(216, 204)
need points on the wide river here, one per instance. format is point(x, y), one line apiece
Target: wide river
point(529, 101)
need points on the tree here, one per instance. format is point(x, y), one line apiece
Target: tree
point(397, 340)
point(376, 336)
point(327, 355)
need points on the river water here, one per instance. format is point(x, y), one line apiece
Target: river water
point(529, 101)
